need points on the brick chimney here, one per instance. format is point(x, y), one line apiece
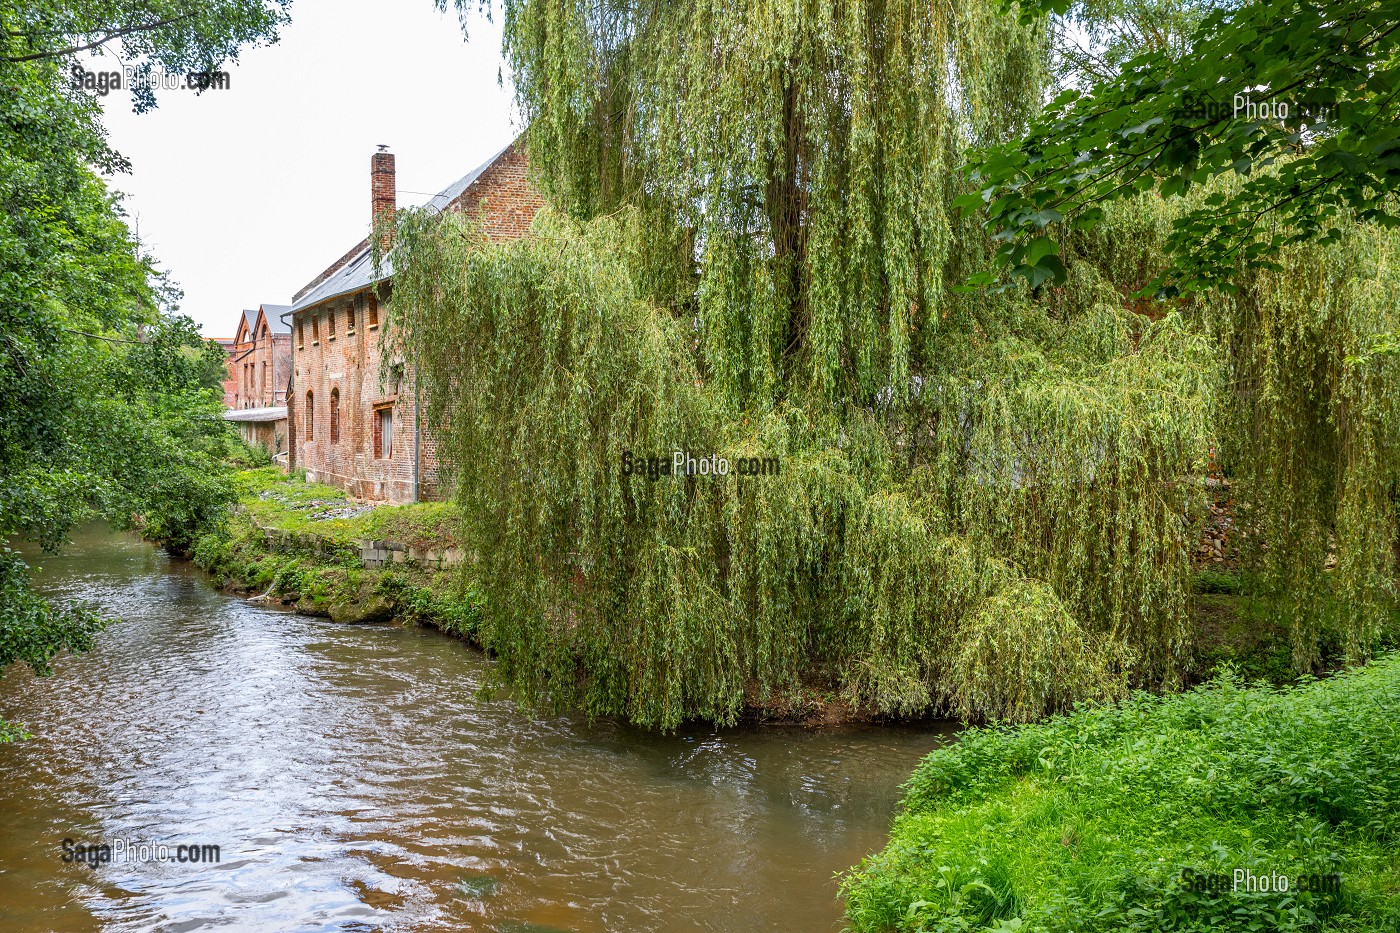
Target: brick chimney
point(383, 192)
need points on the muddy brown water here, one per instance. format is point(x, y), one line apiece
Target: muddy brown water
point(354, 780)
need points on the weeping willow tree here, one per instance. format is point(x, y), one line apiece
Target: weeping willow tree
point(1313, 436)
point(1285, 225)
point(986, 503)
point(792, 162)
point(1008, 539)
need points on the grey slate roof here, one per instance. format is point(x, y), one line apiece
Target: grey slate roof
point(274, 313)
point(355, 275)
point(441, 200)
point(358, 273)
point(275, 324)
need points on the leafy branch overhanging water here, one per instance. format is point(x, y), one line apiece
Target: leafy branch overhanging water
point(987, 503)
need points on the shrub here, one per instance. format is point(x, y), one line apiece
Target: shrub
point(1109, 817)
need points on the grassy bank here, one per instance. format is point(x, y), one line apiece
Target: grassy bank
point(298, 543)
point(1133, 817)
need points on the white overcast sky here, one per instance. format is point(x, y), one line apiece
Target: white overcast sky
point(246, 194)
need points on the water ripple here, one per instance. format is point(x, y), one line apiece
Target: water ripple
point(355, 781)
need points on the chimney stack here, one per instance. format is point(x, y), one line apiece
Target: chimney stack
point(383, 194)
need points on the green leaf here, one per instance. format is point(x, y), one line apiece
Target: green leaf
point(1040, 248)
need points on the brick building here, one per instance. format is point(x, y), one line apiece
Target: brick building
point(259, 373)
point(261, 358)
point(354, 423)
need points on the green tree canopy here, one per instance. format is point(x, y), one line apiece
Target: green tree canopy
point(794, 163)
point(989, 499)
point(1093, 38)
point(177, 35)
point(984, 505)
point(107, 405)
point(1297, 101)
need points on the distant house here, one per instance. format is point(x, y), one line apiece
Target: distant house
point(354, 422)
point(259, 369)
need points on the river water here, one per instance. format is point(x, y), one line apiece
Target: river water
point(354, 780)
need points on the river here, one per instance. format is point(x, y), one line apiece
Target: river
point(354, 780)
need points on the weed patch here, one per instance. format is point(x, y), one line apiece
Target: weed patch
point(1110, 818)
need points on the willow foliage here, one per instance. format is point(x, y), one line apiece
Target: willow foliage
point(1085, 472)
point(791, 160)
point(1028, 554)
point(986, 504)
point(1314, 435)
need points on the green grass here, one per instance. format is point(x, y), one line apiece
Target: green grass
point(1246, 633)
point(1217, 581)
point(287, 502)
point(1087, 822)
point(1241, 634)
point(315, 563)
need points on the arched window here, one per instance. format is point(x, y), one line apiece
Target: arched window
point(335, 415)
point(310, 416)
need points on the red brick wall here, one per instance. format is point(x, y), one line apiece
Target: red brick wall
point(235, 388)
point(230, 376)
point(350, 364)
point(257, 370)
point(502, 197)
point(506, 205)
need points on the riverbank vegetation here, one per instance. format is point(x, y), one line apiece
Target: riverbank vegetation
point(1138, 816)
point(989, 498)
point(300, 544)
point(109, 399)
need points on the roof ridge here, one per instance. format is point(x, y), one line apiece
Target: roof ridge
point(443, 200)
point(332, 269)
